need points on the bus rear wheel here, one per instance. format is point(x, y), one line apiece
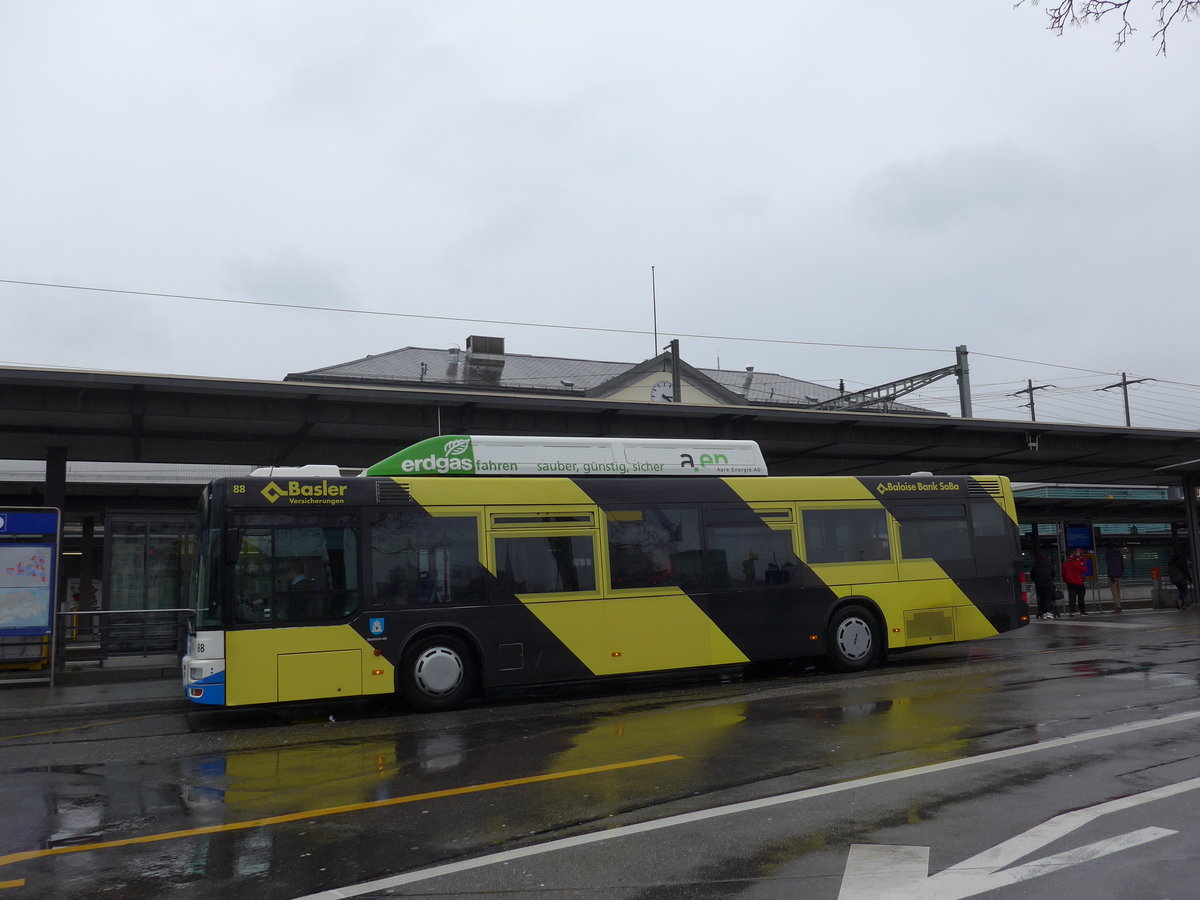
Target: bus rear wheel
point(853, 640)
point(437, 673)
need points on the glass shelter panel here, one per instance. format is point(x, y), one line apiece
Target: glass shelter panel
point(148, 561)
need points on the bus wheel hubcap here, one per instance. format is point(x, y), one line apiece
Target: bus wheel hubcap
point(854, 639)
point(438, 670)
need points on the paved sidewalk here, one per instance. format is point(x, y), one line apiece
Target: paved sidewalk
point(132, 697)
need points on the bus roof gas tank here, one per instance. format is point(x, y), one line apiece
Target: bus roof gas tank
point(310, 471)
point(458, 454)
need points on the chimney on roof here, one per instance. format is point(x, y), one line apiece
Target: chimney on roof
point(478, 345)
point(485, 358)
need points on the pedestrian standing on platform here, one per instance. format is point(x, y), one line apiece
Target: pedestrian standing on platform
point(1180, 573)
point(1042, 575)
point(1114, 561)
point(1074, 571)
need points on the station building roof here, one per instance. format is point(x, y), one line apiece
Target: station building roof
point(485, 366)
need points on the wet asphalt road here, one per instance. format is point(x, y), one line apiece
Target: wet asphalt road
point(957, 763)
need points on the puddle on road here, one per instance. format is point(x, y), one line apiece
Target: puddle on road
point(1143, 674)
point(1158, 679)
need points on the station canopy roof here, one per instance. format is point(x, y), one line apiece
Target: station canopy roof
point(136, 418)
point(1081, 509)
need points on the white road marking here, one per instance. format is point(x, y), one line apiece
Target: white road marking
point(882, 872)
point(596, 837)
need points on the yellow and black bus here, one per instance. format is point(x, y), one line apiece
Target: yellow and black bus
point(464, 564)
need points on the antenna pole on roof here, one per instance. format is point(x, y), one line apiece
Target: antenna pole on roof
point(963, 370)
point(654, 308)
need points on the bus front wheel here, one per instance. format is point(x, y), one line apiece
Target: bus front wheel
point(853, 640)
point(437, 673)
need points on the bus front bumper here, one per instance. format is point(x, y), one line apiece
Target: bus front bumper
point(204, 680)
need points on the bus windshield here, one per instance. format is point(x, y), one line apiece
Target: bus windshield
point(203, 598)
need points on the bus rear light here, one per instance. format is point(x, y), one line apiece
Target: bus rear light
point(195, 692)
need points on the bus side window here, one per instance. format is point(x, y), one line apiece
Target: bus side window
point(995, 538)
point(420, 560)
point(750, 555)
point(934, 531)
point(655, 546)
point(546, 565)
point(845, 535)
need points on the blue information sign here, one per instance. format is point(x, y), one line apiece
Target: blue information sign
point(1079, 536)
point(28, 557)
point(36, 524)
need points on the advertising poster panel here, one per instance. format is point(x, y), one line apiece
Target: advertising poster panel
point(28, 576)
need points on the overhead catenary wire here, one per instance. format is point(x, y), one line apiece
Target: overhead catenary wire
point(516, 323)
point(1164, 405)
point(511, 322)
point(1157, 400)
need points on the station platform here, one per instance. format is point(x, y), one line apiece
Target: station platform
point(139, 691)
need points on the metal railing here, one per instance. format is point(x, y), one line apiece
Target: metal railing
point(102, 635)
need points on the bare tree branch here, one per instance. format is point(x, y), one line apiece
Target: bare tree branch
point(1076, 13)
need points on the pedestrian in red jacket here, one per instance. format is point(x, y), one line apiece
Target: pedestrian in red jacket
point(1074, 571)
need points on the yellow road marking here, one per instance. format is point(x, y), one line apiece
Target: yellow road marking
point(14, 737)
point(20, 882)
point(332, 810)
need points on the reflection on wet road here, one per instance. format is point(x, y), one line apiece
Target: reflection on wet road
point(311, 813)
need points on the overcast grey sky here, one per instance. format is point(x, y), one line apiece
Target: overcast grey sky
point(884, 174)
